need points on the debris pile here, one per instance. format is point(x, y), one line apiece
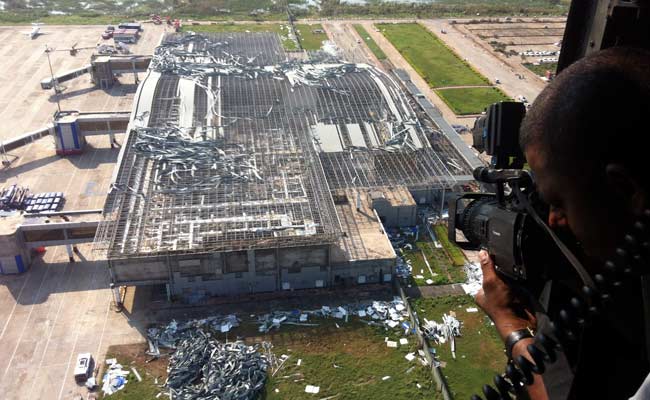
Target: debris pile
point(115, 377)
point(17, 197)
point(442, 332)
point(390, 314)
point(171, 334)
point(399, 240)
point(203, 368)
point(474, 278)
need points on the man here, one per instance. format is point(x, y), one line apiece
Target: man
point(585, 142)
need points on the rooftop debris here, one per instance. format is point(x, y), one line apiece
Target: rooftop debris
point(180, 157)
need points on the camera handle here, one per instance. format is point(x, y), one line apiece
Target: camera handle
point(630, 258)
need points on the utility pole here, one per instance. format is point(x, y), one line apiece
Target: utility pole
point(54, 82)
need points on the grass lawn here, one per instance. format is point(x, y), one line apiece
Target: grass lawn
point(445, 265)
point(541, 69)
point(372, 45)
point(454, 252)
point(132, 355)
point(479, 351)
point(465, 101)
point(309, 39)
point(348, 362)
point(434, 61)
point(280, 29)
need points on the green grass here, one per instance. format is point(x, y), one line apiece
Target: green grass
point(308, 39)
point(479, 351)
point(362, 358)
point(454, 252)
point(465, 101)
point(280, 29)
point(434, 61)
point(372, 45)
point(541, 69)
point(147, 389)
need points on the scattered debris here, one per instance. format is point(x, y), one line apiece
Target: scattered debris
point(385, 378)
point(471, 309)
point(381, 313)
point(441, 332)
point(114, 379)
point(474, 278)
point(312, 389)
point(403, 341)
point(137, 375)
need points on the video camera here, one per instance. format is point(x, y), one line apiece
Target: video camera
point(508, 219)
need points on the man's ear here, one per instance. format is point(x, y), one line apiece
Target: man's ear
point(626, 187)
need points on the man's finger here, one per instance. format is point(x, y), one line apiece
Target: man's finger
point(486, 264)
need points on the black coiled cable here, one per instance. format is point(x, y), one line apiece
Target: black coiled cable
point(630, 259)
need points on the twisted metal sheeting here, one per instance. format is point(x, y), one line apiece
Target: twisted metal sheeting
point(208, 162)
point(202, 368)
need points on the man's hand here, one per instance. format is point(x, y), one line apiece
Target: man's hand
point(499, 303)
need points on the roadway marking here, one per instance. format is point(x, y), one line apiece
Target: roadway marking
point(29, 316)
point(78, 330)
point(13, 309)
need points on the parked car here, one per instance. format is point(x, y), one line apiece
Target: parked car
point(84, 367)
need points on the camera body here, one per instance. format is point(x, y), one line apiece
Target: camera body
point(499, 220)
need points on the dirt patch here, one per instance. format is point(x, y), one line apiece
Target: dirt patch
point(135, 353)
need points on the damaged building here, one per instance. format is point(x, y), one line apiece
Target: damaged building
point(246, 171)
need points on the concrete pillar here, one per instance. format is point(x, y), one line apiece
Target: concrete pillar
point(111, 135)
point(68, 248)
point(117, 298)
point(250, 255)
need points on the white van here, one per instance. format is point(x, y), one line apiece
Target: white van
point(83, 369)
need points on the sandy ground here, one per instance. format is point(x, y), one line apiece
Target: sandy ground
point(25, 107)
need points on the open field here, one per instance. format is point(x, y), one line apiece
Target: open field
point(372, 45)
point(100, 11)
point(281, 29)
point(311, 36)
point(479, 351)
point(437, 64)
point(468, 101)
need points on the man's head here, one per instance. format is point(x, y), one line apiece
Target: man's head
point(585, 140)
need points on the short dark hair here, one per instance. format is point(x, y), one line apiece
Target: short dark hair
point(595, 112)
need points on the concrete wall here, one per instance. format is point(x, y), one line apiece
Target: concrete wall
point(138, 271)
point(242, 272)
point(393, 217)
point(15, 257)
point(367, 271)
